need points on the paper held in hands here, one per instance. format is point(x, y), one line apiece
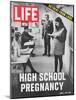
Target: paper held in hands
point(26, 51)
point(29, 43)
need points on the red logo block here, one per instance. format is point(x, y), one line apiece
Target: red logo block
point(25, 13)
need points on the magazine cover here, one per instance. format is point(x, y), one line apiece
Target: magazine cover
point(41, 49)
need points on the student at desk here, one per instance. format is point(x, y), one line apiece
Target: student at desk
point(16, 46)
point(25, 37)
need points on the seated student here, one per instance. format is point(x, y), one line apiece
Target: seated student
point(12, 49)
point(16, 44)
point(26, 37)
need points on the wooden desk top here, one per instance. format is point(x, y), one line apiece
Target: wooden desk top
point(29, 43)
point(23, 58)
point(26, 51)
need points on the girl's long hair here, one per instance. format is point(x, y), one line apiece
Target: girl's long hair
point(58, 19)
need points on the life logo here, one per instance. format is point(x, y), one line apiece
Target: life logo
point(25, 13)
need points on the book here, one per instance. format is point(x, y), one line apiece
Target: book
point(41, 49)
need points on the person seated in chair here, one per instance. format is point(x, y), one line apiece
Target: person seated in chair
point(26, 37)
point(16, 47)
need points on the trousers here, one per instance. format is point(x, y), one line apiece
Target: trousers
point(47, 45)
